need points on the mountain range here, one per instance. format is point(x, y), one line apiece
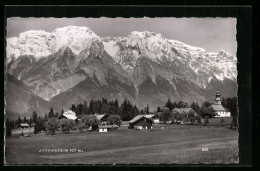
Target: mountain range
point(73, 64)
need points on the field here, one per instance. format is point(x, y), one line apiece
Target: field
point(167, 144)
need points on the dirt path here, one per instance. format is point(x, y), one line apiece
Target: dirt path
point(195, 144)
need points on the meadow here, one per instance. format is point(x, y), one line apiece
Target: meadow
point(166, 144)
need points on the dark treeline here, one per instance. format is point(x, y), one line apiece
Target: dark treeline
point(126, 110)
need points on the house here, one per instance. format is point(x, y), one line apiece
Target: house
point(154, 118)
point(69, 115)
point(140, 122)
point(23, 125)
point(218, 109)
point(184, 112)
point(102, 118)
point(106, 128)
point(165, 109)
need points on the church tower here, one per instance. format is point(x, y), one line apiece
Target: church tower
point(218, 99)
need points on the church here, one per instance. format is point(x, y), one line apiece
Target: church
point(219, 110)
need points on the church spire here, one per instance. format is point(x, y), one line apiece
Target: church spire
point(218, 99)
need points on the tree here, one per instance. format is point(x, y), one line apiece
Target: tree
point(19, 120)
point(39, 125)
point(234, 121)
point(45, 118)
point(24, 120)
point(85, 108)
point(81, 126)
point(8, 128)
point(51, 113)
point(178, 116)
point(206, 104)
point(147, 109)
point(67, 124)
point(34, 117)
point(52, 125)
point(184, 105)
point(62, 111)
point(179, 105)
point(89, 121)
point(190, 117)
point(231, 104)
point(165, 116)
point(158, 109)
point(169, 104)
point(205, 112)
point(114, 120)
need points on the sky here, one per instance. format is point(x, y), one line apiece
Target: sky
point(212, 34)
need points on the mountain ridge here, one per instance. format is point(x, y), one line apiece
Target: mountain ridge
point(137, 64)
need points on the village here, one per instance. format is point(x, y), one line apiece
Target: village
point(169, 135)
point(69, 122)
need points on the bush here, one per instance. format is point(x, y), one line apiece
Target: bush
point(114, 120)
point(165, 116)
point(89, 121)
point(177, 116)
point(67, 124)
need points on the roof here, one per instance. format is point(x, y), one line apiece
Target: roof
point(227, 110)
point(138, 117)
point(24, 124)
point(165, 108)
point(218, 108)
point(70, 115)
point(99, 117)
point(182, 110)
point(149, 116)
point(107, 126)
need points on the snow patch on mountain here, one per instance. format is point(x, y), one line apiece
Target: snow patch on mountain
point(112, 49)
point(76, 38)
point(39, 43)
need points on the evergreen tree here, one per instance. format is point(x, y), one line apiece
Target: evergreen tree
point(197, 107)
point(158, 109)
point(51, 113)
point(45, 118)
point(19, 120)
point(116, 105)
point(90, 111)
point(8, 128)
point(62, 111)
point(24, 120)
point(34, 117)
point(85, 108)
point(39, 125)
point(147, 109)
point(169, 104)
point(179, 105)
point(175, 105)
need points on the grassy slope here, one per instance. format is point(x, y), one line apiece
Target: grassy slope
point(131, 146)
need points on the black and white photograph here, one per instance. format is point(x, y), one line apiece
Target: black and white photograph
point(119, 90)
